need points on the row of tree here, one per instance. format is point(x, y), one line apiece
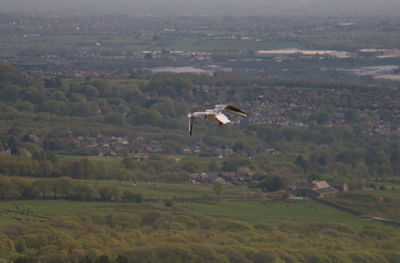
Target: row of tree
point(13, 188)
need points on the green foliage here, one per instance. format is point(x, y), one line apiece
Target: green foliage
point(272, 183)
point(10, 74)
point(8, 190)
point(170, 85)
point(168, 203)
point(235, 225)
point(103, 259)
point(6, 246)
point(129, 163)
point(109, 193)
point(114, 118)
point(233, 163)
point(322, 117)
point(20, 247)
point(89, 91)
point(150, 117)
point(155, 106)
point(301, 162)
point(130, 196)
point(218, 189)
point(191, 166)
point(226, 241)
point(25, 260)
point(172, 147)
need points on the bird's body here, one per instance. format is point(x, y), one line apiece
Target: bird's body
point(214, 114)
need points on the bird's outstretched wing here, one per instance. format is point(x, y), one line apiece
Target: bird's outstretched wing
point(235, 110)
point(194, 115)
point(191, 122)
point(215, 114)
point(221, 118)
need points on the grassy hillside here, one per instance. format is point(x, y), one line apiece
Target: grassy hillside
point(373, 203)
point(220, 232)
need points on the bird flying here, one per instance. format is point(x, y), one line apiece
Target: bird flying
point(214, 114)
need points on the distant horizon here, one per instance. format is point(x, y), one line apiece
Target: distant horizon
point(207, 7)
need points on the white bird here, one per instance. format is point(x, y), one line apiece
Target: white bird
point(214, 114)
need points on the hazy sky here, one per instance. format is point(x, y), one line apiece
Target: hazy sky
point(205, 7)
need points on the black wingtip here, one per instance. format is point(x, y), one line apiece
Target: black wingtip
point(236, 110)
point(191, 121)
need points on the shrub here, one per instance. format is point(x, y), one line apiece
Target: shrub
point(132, 197)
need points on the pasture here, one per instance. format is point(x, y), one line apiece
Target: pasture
point(235, 203)
point(94, 158)
point(371, 202)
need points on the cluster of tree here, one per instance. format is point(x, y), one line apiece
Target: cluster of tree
point(156, 236)
point(116, 105)
point(349, 165)
point(268, 183)
point(324, 149)
point(12, 188)
point(47, 165)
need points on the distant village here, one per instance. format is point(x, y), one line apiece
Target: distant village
point(294, 107)
point(137, 148)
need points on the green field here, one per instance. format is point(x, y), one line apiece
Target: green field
point(94, 158)
point(371, 202)
point(277, 212)
point(273, 212)
point(235, 203)
point(162, 191)
point(39, 210)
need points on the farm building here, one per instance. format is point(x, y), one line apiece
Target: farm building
point(316, 189)
point(341, 186)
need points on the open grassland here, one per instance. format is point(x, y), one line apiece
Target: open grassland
point(277, 212)
point(95, 158)
point(236, 203)
point(272, 212)
point(163, 191)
